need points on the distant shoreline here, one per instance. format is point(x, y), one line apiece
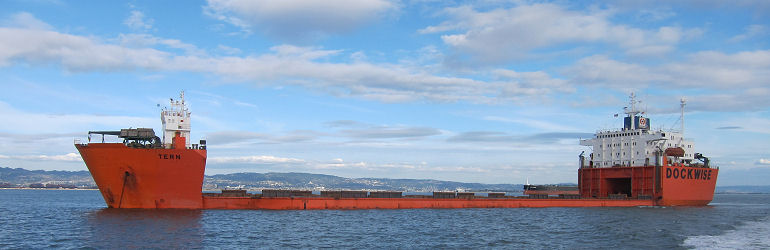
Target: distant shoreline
point(217, 190)
point(25, 188)
point(742, 193)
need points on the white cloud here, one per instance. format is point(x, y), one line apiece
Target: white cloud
point(706, 69)
point(65, 157)
point(715, 81)
point(750, 32)
point(297, 20)
point(603, 71)
point(654, 14)
point(285, 64)
point(357, 130)
point(755, 124)
point(531, 83)
point(752, 99)
point(75, 53)
point(228, 50)
point(338, 163)
point(633, 5)
point(500, 35)
point(40, 123)
point(144, 40)
point(25, 20)
point(309, 67)
point(521, 141)
point(236, 138)
point(255, 159)
point(137, 21)
point(533, 123)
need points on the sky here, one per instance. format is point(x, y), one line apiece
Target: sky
point(474, 91)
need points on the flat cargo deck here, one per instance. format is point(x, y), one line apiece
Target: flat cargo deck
point(305, 203)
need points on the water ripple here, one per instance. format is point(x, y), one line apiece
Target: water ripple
point(77, 219)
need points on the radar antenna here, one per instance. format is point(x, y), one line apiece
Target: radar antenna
point(631, 109)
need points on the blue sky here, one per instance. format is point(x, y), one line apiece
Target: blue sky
point(477, 91)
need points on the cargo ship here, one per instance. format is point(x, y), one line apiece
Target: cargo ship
point(632, 166)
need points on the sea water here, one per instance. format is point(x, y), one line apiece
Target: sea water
point(79, 219)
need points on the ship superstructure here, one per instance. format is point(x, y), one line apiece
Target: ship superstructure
point(176, 121)
point(636, 144)
point(637, 162)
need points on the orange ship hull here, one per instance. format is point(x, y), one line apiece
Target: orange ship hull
point(315, 203)
point(131, 177)
point(666, 185)
point(687, 186)
point(146, 178)
point(172, 178)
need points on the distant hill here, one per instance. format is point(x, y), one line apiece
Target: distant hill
point(743, 189)
point(321, 181)
point(14, 177)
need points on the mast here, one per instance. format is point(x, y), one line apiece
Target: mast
point(631, 110)
point(682, 103)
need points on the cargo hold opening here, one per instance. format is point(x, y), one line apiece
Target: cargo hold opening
point(619, 186)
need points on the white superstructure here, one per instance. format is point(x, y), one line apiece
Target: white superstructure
point(636, 144)
point(176, 119)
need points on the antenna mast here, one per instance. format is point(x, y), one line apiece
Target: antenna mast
point(631, 110)
point(682, 103)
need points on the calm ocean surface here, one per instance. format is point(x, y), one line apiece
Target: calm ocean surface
point(78, 219)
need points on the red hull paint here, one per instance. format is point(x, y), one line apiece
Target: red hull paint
point(146, 178)
point(687, 189)
point(172, 178)
point(668, 187)
point(315, 203)
point(603, 182)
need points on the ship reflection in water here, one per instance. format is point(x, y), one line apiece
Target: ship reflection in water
point(142, 228)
